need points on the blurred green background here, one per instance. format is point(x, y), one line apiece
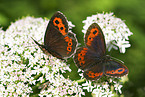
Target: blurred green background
point(132, 11)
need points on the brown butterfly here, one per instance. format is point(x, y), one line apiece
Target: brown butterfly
point(92, 58)
point(57, 40)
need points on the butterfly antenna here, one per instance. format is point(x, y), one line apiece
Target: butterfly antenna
point(109, 47)
point(42, 47)
point(117, 59)
point(36, 42)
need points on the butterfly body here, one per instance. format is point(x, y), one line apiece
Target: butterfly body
point(58, 41)
point(92, 58)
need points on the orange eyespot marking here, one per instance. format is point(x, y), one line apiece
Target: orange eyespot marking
point(118, 71)
point(93, 33)
point(69, 49)
point(90, 38)
point(89, 43)
point(58, 22)
point(62, 29)
point(82, 53)
point(82, 62)
point(67, 39)
point(81, 56)
point(85, 49)
point(93, 75)
point(69, 43)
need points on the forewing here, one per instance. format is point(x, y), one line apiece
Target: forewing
point(94, 39)
point(57, 40)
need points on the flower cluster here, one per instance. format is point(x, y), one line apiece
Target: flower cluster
point(115, 30)
point(25, 69)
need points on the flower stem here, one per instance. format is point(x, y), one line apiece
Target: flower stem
point(81, 80)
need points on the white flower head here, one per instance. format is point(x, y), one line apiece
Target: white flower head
point(115, 30)
point(118, 87)
point(88, 86)
point(98, 91)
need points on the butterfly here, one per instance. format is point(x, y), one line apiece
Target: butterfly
point(58, 41)
point(92, 58)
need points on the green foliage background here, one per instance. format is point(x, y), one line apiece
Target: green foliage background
point(132, 11)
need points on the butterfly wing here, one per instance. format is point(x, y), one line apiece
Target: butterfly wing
point(85, 58)
point(115, 68)
point(58, 23)
point(89, 58)
point(57, 40)
point(95, 72)
point(94, 39)
point(93, 59)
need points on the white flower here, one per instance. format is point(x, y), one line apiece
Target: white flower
point(115, 30)
point(45, 70)
point(11, 88)
point(70, 25)
point(80, 92)
point(118, 87)
point(108, 93)
point(106, 85)
point(98, 92)
point(122, 44)
point(70, 91)
point(19, 91)
point(88, 86)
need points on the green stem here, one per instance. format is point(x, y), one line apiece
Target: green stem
point(79, 81)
